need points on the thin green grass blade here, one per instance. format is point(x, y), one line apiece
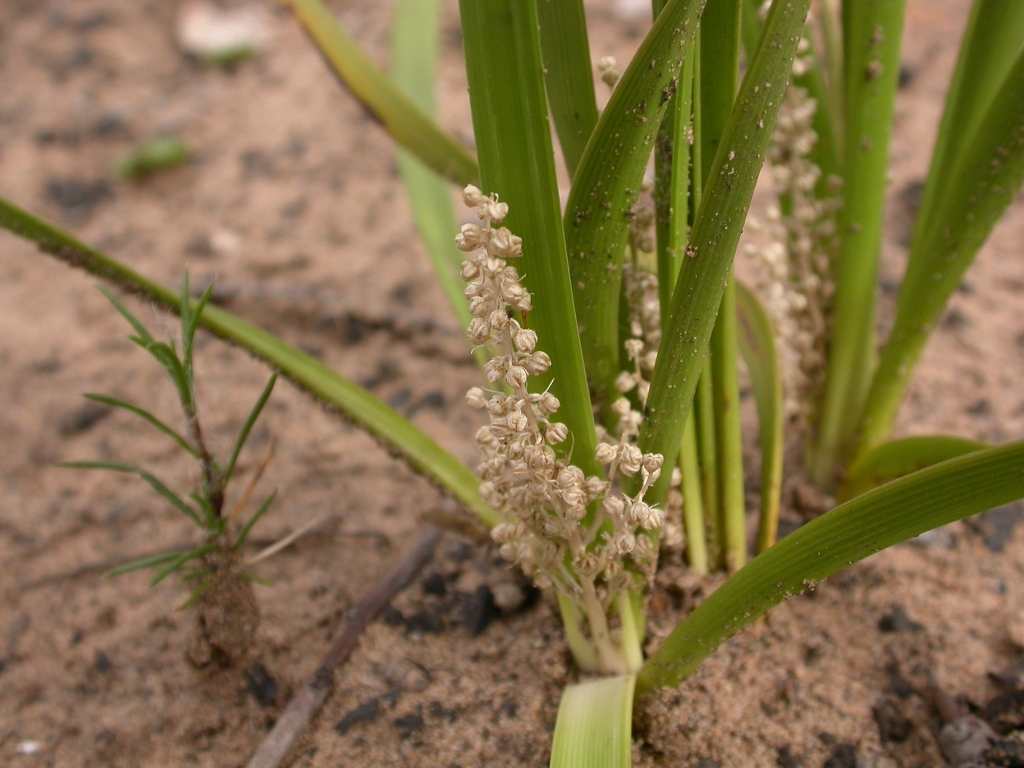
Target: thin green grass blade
point(607, 182)
point(154, 482)
point(989, 175)
point(902, 457)
point(179, 561)
point(414, 50)
point(693, 501)
point(402, 119)
point(510, 121)
point(992, 40)
point(147, 416)
point(254, 414)
point(144, 338)
point(145, 562)
point(857, 529)
point(594, 725)
point(247, 529)
point(757, 345)
point(873, 33)
point(311, 375)
point(716, 231)
point(568, 75)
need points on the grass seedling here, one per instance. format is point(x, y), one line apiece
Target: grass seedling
point(153, 156)
point(221, 590)
point(610, 355)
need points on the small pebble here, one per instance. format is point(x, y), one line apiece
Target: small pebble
point(1005, 712)
point(508, 596)
point(892, 725)
point(965, 740)
point(364, 713)
point(27, 747)
point(899, 622)
point(843, 756)
point(262, 685)
point(408, 724)
point(479, 610)
point(83, 418)
point(786, 758)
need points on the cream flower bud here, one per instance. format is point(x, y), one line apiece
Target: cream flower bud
point(476, 398)
point(526, 340)
point(556, 433)
point(621, 406)
point(494, 370)
point(538, 362)
point(516, 377)
point(624, 543)
point(570, 477)
point(543, 581)
point(653, 461)
point(587, 564)
point(613, 506)
point(639, 512)
point(606, 453)
point(470, 237)
point(492, 210)
point(503, 533)
point(594, 486)
point(508, 552)
point(634, 347)
point(479, 331)
point(470, 270)
point(630, 460)
point(472, 196)
point(517, 421)
point(547, 404)
point(654, 519)
point(498, 319)
point(504, 243)
point(479, 306)
point(625, 382)
point(484, 436)
point(643, 548)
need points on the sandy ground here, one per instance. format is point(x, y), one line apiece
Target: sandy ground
point(292, 202)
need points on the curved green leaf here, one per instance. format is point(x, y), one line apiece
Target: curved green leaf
point(594, 725)
point(868, 524)
point(354, 402)
point(902, 457)
point(719, 221)
point(757, 345)
point(154, 482)
point(409, 125)
point(414, 45)
point(873, 32)
point(988, 176)
point(510, 121)
point(147, 416)
point(568, 75)
point(606, 186)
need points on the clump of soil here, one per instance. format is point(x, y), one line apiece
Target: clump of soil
point(227, 616)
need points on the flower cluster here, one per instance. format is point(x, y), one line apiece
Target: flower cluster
point(797, 288)
point(570, 532)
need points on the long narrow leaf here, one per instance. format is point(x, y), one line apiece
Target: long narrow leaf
point(510, 121)
point(407, 123)
point(179, 561)
point(354, 402)
point(988, 176)
point(568, 75)
point(155, 483)
point(992, 40)
point(757, 345)
point(243, 435)
point(247, 528)
point(881, 518)
point(606, 186)
point(145, 562)
point(716, 232)
point(147, 416)
point(414, 44)
point(902, 457)
point(873, 33)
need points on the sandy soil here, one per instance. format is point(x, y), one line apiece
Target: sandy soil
point(290, 169)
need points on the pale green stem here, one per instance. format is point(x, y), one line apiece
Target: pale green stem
point(581, 649)
point(631, 633)
point(594, 725)
point(693, 506)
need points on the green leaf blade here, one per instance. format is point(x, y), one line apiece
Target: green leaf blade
point(857, 529)
point(594, 724)
point(146, 416)
point(404, 121)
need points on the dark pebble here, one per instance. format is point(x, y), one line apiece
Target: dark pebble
point(479, 610)
point(708, 762)
point(997, 525)
point(827, 738)
point(434, 584)
point(899, 686)
point(364, 713)
point(1007, 753)
point(786, 758)
point(843, 756)
point(424, 622)
point(1005, 712)
point(907, 75)
point(83, 418)
point(392, 617)
point(899, 622)
point(1012, 676)
point(262, 685)
point(102, 662)
point(400, 398)
point(408, 724)
point(954, 321)
point(892, 725)
point(77, 197)
point(439, 712)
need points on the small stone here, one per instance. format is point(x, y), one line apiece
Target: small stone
point(364, 713)
point(709, 762)
point(843, 756)
point(221, 36)
point(892, 725)
point(424, 622)
point(786, 758)
point(899, 622)
point(27, 747)
point(1015, 630)
point(408, 724)
point(102, 663)
point(508, 596)
point(83, 418)
point(479, 610)
point(262, 685)
point(1012, 676)
point(434, 584)
point(965, 740)
point(1007, 752)
point(1005, 712)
